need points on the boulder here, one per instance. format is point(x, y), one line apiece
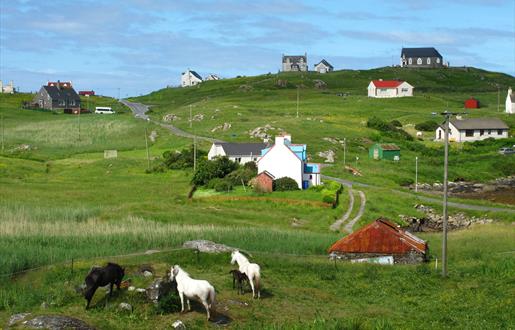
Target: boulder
point(125, 307)
point(328, 155)
point(178, 325)
point(17, 318)
point(57, 322)
point(207, 246)
point(159, 288)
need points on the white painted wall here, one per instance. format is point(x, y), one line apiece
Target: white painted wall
point(281, 162)
point(460, 136)
point(313, 178)
point(403, 90)
point(322, 68)
point(218, 151)
point(510, 106)
point(188, 79)
point(215, 151)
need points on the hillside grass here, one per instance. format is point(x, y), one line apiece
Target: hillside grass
point(303, 291)
point(250, 102)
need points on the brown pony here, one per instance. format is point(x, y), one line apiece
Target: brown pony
point(102, 276)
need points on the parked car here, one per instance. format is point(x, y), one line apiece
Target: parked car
point(506, 151)
point(104, 110)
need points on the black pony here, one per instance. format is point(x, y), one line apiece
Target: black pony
point(240, 278)
point(102, 276)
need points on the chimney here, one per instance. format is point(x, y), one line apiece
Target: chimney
point(279, 139)
point(380, 79)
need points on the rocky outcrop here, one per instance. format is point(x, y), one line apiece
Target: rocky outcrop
point(328, 155)
point(207, 246)
point(57, 322)
point(433, 221)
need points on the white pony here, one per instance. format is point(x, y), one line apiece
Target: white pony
point(193, 289)
point(250, 269)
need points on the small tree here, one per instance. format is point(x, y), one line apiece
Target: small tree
point(285, 184)
point(209, 169)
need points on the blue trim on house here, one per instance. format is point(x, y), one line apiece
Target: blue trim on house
point(310, 168)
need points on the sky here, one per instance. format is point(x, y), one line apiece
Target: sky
point(133, 47)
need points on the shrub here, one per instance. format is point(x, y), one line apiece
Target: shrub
point(285, 184)
point(183, 159)
point(328, 198)
point(428, 125)
point(388, 129)
point(244, 173)
point(223, 185)
point(396, 123)
point(209, 169)
point(404, 182)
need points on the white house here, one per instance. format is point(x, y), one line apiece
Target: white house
point(7, 89)
point(510, 102)
point(323, 67)
point(285, 159)
point(389, 88)
point(237, 152)
point(212, 77)
point(473, 129)
point(190, 78)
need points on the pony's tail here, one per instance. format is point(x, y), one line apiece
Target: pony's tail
point(211, 297)
point(258, 280)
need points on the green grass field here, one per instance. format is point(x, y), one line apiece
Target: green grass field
point(61, 200)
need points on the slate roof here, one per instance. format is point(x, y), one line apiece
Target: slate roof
point(420, 52)
point(62, 93)
point(294, 58)
point(242, 149)
point(479, 123)
point(325, 63)
point(193, 73)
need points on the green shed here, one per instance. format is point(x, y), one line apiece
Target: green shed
point(384, 151)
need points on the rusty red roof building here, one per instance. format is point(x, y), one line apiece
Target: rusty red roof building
point(381, 238)
point(387, 83)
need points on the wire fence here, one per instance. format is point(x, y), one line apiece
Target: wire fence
point(153, 252)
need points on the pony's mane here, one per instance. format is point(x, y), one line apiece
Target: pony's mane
point(183, 271)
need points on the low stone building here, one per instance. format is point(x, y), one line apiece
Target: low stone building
point(295, 63)
point(55, 96)
point(265, 182)
point(381, 238)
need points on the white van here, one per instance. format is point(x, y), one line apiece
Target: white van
point(104, 110)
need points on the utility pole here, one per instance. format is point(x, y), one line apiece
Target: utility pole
point(146, 146)
point(194, 153)
point(298, 92)
point(344, 151)
point(416, 173)
point(498, 98)
point(118, 93)
point(191, 119)
point(447, 116)
point(2, 119)
point(78, 119)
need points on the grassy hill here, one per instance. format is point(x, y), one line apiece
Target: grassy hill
point(250, 102)
point(60, 199)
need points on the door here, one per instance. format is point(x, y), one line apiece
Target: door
point(376, 153)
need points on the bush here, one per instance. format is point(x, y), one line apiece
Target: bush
point(405, 182)
point(285, 184)
point(328, 198)
point(245, 174)
point(209, 169)
point(388, 129)
point(223, 185)
point(177, 160)
point(429, 125)
point(396, 123)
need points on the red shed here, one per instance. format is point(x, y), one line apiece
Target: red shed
point(265, 182)
point(381, 238)
point(86, 93)
point(471, 103)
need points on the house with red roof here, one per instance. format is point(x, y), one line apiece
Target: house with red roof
point(285, 159)
point(389, 88)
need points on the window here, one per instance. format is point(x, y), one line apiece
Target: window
point(254, 159)
point(499, 132)
point(469, 132)
point(489, 132)
point(238, 160)
point(311, 176)
point(438, 60)
point(419, 61)
point(61, 103)
point(72, 102)
point(481, 132)
point(404, 90)
point(410, 61)
point(383, 89)
point(428, 60)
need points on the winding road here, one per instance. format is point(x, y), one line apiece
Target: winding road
point(139, 110)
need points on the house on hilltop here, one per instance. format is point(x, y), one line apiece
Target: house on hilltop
point(212, 77)
point(190, 78)
point(285, 159)
point(7, 89)
point(295, 63)
point(389, 88)
point(60, 84)
point(424, 57)
point(381, 238)
point(323, 67)
point(473, 129)
point(56, 96)
point(240, 153)
point(510, 102)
